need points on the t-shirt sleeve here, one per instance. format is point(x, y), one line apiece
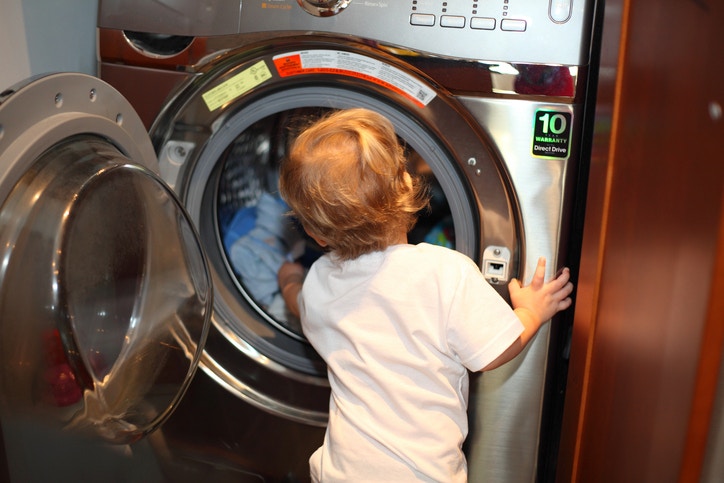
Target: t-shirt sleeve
point(481, 324)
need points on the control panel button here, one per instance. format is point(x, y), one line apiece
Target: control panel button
point(482, 23)
point(513, 25)
point(424, 19)
point(453, 21)
point(560, 10)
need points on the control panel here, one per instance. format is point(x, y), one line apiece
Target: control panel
point(513, 31)
point(530, 31)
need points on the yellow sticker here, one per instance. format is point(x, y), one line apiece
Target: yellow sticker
point(238, 85)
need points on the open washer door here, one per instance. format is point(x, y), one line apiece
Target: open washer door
point(105, 294)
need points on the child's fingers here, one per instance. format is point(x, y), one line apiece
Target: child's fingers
point(562, 294)
point(564, 275)
point(564, 304)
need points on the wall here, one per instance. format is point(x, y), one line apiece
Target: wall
point(647, 343)
point(38, 36)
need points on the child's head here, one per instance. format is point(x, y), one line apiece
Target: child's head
point(346, 180)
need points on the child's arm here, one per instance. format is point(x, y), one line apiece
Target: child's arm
point(290, 278)
point(534, 305)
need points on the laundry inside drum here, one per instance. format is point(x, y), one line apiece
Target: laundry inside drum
point(257, 231)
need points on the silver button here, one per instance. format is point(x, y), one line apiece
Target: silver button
point(513, 25)
point(424, 19)
point(560, 10)
point(453, 21)
point(482, 23)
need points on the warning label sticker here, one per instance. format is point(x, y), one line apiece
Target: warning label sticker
point(354, 65)
point(237, 86)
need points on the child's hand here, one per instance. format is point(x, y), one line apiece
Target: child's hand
point(290, 272)
point(290, 278)
point(543, 300)
point(534, 305)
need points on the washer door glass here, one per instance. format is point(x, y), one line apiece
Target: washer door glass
point(105, 295)
point(255, 229)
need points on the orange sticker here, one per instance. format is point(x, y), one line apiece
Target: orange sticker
point(288, 65)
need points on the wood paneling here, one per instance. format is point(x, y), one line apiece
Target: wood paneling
point(650, 244)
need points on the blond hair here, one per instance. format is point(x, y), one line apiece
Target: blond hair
point(346, 180)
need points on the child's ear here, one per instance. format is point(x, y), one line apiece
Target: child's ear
point(317, 239)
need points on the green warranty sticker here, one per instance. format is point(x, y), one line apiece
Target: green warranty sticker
point(552, 134)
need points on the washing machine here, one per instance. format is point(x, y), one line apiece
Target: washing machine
point(490, 100)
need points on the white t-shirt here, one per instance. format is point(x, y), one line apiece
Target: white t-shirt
point(398, 329)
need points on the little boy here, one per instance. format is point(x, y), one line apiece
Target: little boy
point(398, 325)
